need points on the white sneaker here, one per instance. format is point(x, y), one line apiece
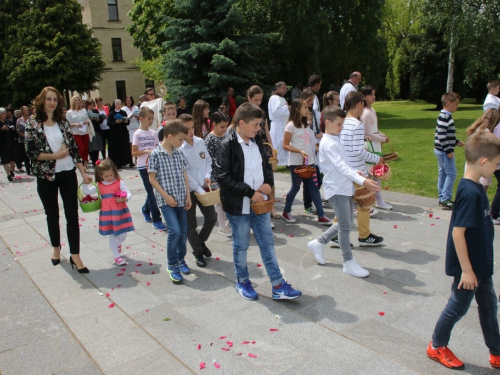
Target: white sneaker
point(496, 221)
point(383, 205)
point(318, 250)
point(226, 232)
point(373, 211)
point(272, 225)
point(354, 269)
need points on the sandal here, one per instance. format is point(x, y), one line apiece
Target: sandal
point(276, 216)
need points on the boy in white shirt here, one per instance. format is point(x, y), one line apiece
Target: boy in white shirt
point(492, 100)
point(338, 178)
point(144, 141)
point(198, 171)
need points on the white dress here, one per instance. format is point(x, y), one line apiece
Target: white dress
point(278, 113)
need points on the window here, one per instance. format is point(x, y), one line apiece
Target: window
point(116, 46)
point(121, 91)
point(113, 10)
point(148, 83)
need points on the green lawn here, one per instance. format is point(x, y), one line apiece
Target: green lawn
point(410, 127)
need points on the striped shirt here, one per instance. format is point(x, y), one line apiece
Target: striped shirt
point(169, 171)
point(444, 138)
point(353, 140)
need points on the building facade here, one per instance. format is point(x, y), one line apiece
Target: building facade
point(108, 21)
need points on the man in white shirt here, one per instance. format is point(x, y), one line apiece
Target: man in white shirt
point(492, 100)
point(351, 85)
point(279, 111)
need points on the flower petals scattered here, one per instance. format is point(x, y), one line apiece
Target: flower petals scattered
point(202, 365)
point(111, 305)
point(381, 313)
point(252, 355)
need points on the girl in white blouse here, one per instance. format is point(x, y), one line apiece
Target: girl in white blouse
point(81, 128)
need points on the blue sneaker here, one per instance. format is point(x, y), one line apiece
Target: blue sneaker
point(184, 267)
point(158, 225)
point(175, 273)
point(245, 290)
point(285, 291)
point(147, 217)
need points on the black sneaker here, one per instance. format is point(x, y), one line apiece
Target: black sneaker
point(200, 260)
point(371, 240)
point(446, 205)
point(12, 174)
point(10, 178)
point(206, 251)
point(335, 243)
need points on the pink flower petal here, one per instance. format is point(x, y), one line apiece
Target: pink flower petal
point(252, 355)
point(225, 349)
point(138, 264)
point(437, 218)
point(148, 283)
point(273, 329)
point(112, 289)
point(127, 247)
point(217, 258)
point(119, 274)
point(240, 353)
point(282, 229)
point(123, 269)
point(395, 226)
point(199, 346)
point(291, 235)
point(202, 365)
point(152, 272)
point(431, 215)
point(108, 295)
point(245, 342)
point(111, 305)
point(222, 337)
point(147, 310)
point(229, 343)
point(254, 342)
point(136, 271)
point(432, 225)
point(216, 365)
point(119, 285)
point(150, 263)
point(381, 313)
point(385, 292)
point(259, 265)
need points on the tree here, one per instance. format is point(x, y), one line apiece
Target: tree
point(207, 50)
point(10, 12)
point(52, 48)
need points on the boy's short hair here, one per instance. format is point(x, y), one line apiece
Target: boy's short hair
point(313, 80)
point(185, 117)
point(352, 99)
point(331, 112)
point(248, 112)
point(144, 111)
point(482, 144)
point(449, 97)
point(492, 84)
point(169, 105)
point(279, 84)
point(174, 127)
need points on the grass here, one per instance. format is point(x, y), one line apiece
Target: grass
point(410, 127)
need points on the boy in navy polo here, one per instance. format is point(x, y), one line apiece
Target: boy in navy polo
point(469, 255)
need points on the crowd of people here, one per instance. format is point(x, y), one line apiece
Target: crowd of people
point(194, 152)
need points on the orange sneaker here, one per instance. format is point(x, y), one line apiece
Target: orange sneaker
point(446, 357)
point(495, 361)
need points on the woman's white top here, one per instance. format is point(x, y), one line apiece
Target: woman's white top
point(104, 124)
point(301, 139)
point(55, 139)
point(370, 122)
point(134, 122)
point(74, 116)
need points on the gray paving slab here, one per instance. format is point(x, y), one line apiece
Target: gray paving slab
point(335, 327)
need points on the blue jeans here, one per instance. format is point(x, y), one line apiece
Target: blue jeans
point(176, 218)
point(261, 226)
point(447, 173)
point(305, 192)
point(309, 183)
point(457, 307)
point(150, 206)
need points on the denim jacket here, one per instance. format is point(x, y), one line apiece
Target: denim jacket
point(36, 144)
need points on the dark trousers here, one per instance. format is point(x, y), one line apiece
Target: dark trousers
point(495, 205)
point(66, 184)
point(306, 195)
point(197, 239)
point(150, 205)
point(459, 304)
point(22, 157)
point(105, 142)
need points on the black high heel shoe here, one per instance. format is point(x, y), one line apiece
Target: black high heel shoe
point(55, 262)
point(80, 270)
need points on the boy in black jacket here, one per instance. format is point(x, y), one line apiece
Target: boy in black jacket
point(245, 175)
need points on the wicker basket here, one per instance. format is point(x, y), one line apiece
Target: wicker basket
point(273, 159)
point(305, 171)
point(89, 206)
point(364, 197)
point(262, 207)
point(381, 176)
point(208, 199)
point(391, 155)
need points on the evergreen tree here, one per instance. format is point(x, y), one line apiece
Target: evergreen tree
point(208, 50)
point(10, 20)
point(52, 47)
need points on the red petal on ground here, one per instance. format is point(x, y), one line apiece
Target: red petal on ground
point(222, 337)
point(112, 289)
point(432, 225)
point(437, 218)
point(259, 265)
point(127, 247)
point(245, 342)
point(150, 263)
point(395, 226)
point(119, 285)
point(108, 295)
point(381, 313)
point(431, 215)
point(147, 310)
point(291, 235)
point(216, 365)
point(225, 349)
point(152, 272)
point(217, 258)
point(199, 346)
point(240, 353)
point(273, 329)
point(119, 274)
point(148, 283)
point(202, 365)
point(136, 271)
point(138, 264)
point(252, 355)
point(229, 343)
point(111, 305)
point(254, 342)
point(123, 269)
point(385, 292)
